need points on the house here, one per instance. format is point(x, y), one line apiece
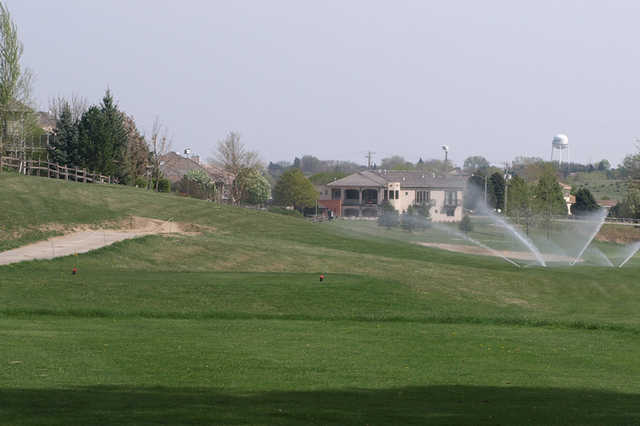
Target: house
point(361, 194)
point(174, 166)
point(566, 195)
point(46, 122)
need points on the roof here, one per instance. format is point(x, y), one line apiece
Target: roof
point(366, 178)
point(174, 166)
point(407, 179)
point(46, 121)
point(606, 203)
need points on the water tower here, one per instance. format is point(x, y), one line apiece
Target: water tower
point(560, 143)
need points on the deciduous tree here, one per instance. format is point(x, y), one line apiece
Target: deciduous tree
point(294, 189)
point(159, 144)
point(475, 164)
point(252, 187)
point(15, 80)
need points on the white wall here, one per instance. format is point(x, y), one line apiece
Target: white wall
point(437, 212)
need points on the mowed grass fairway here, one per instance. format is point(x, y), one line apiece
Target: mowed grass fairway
point(232, 326)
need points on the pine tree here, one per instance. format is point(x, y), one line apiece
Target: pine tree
point(389, 217)
point(90, 136)
point(585, 203)
point(496, 191)
point(64, 148)
point(114, 138)
point(103, 139)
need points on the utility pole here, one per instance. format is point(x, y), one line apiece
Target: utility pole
point(507, 178)
point(369, 157)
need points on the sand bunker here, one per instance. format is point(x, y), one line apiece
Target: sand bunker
point(82, 239)
point(520, 255)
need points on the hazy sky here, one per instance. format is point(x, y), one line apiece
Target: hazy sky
point(338, 78)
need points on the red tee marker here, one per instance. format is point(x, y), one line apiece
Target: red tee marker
point(321, 278)
point(74, 271)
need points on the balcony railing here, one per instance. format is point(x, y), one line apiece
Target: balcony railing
point(429, 203)
point(356, 202)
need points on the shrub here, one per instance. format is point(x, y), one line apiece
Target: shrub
point(197, 183)
point(465, 224)
point(389, 217)
point(164, 185)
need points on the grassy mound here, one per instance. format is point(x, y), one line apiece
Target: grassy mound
point(233, 325)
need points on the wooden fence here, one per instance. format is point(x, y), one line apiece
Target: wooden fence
point(53, 170)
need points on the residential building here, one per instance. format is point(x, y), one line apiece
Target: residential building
point(361, 194)
point(174, 166)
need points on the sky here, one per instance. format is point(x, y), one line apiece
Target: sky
point(339, 78)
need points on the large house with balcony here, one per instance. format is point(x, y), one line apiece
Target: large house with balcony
point(361, 194)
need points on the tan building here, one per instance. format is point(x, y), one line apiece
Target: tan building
point(362, 193)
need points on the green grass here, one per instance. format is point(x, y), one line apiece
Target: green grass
point(599, 185)
point(233, 326)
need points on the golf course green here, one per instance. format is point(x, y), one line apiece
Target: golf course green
point(230, 324)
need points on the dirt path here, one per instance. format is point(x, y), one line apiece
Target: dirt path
point(87, 240)
point(520, 255)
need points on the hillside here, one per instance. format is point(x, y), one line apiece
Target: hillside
point(601, 187)
point(231, 324)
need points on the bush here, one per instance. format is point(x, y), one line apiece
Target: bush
point(389, 217)
point(140, 182)
point(252, 187)
point(465, 224)
point(197, 184)
point(164, 185)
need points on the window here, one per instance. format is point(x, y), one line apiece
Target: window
point(451, 198)
point(397, 195)
point(386, 194)
point(391, 197)
point(352, 194)
point(422, 197)
point(336, 194)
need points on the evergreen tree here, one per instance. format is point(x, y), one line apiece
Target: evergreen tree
point(64, 148)
point(103, 138)
point(114, 141)
point(89, 137)
point(389, 217)
point(585, 203)
point(408, 219)
point(496, 191)
point(465, 224)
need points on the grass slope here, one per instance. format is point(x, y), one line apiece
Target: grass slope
point(233, 325)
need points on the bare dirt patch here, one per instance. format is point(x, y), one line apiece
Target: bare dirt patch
point(619, 234)
point(520, 255)
point(84, 238)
